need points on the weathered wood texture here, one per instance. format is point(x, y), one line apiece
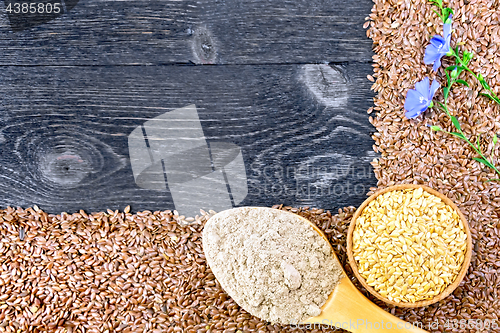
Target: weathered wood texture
point(73, 90)
point(97, 32)
point(64, 131)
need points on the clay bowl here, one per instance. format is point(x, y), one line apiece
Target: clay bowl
point(449, 289)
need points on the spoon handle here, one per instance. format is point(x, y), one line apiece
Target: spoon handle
point(348, 308)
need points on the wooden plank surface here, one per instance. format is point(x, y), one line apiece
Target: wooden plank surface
point(75, 88)
point(64, 131)
point(97, 32)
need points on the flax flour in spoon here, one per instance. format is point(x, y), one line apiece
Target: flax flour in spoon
point(271, 262)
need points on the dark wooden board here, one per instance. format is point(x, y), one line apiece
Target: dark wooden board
point(74, 89)
point(157, 32)
point(64, 131)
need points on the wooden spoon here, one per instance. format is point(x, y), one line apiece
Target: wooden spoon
point(346, 307)
point(349, 309)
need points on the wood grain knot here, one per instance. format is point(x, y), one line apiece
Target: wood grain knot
point(328, 85)
point(204, 46)
point(65, 159)
point(64, 167)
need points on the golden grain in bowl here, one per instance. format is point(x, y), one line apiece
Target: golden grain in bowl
point(409, 245)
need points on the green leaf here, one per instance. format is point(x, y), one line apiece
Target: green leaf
point(459, 135)
point(493, 180)
point(446, 91)
point(456, 123)
point(495, 139)
point(462, 82)
point(467, 57)
point(485, 162)
point(439, 15)
point(493, 98)
point(447, 13)
point(483, 82)
point(448, 77)
point(450, 68)
point(478, 145)
point(438, 3)
point(436, 128)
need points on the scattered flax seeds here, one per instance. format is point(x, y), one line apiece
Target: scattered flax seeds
point(183, 295)
point(411, 153)
point(120, 272)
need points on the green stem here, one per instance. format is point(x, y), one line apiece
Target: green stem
point(476, 149)
point(464, 65)
point(451, 81)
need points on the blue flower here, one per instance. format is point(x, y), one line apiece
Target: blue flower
point(420, 98)
point(439, 47)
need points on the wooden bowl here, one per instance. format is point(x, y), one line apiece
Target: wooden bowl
point(448, 290)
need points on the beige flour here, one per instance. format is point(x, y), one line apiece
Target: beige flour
point(271, 262)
